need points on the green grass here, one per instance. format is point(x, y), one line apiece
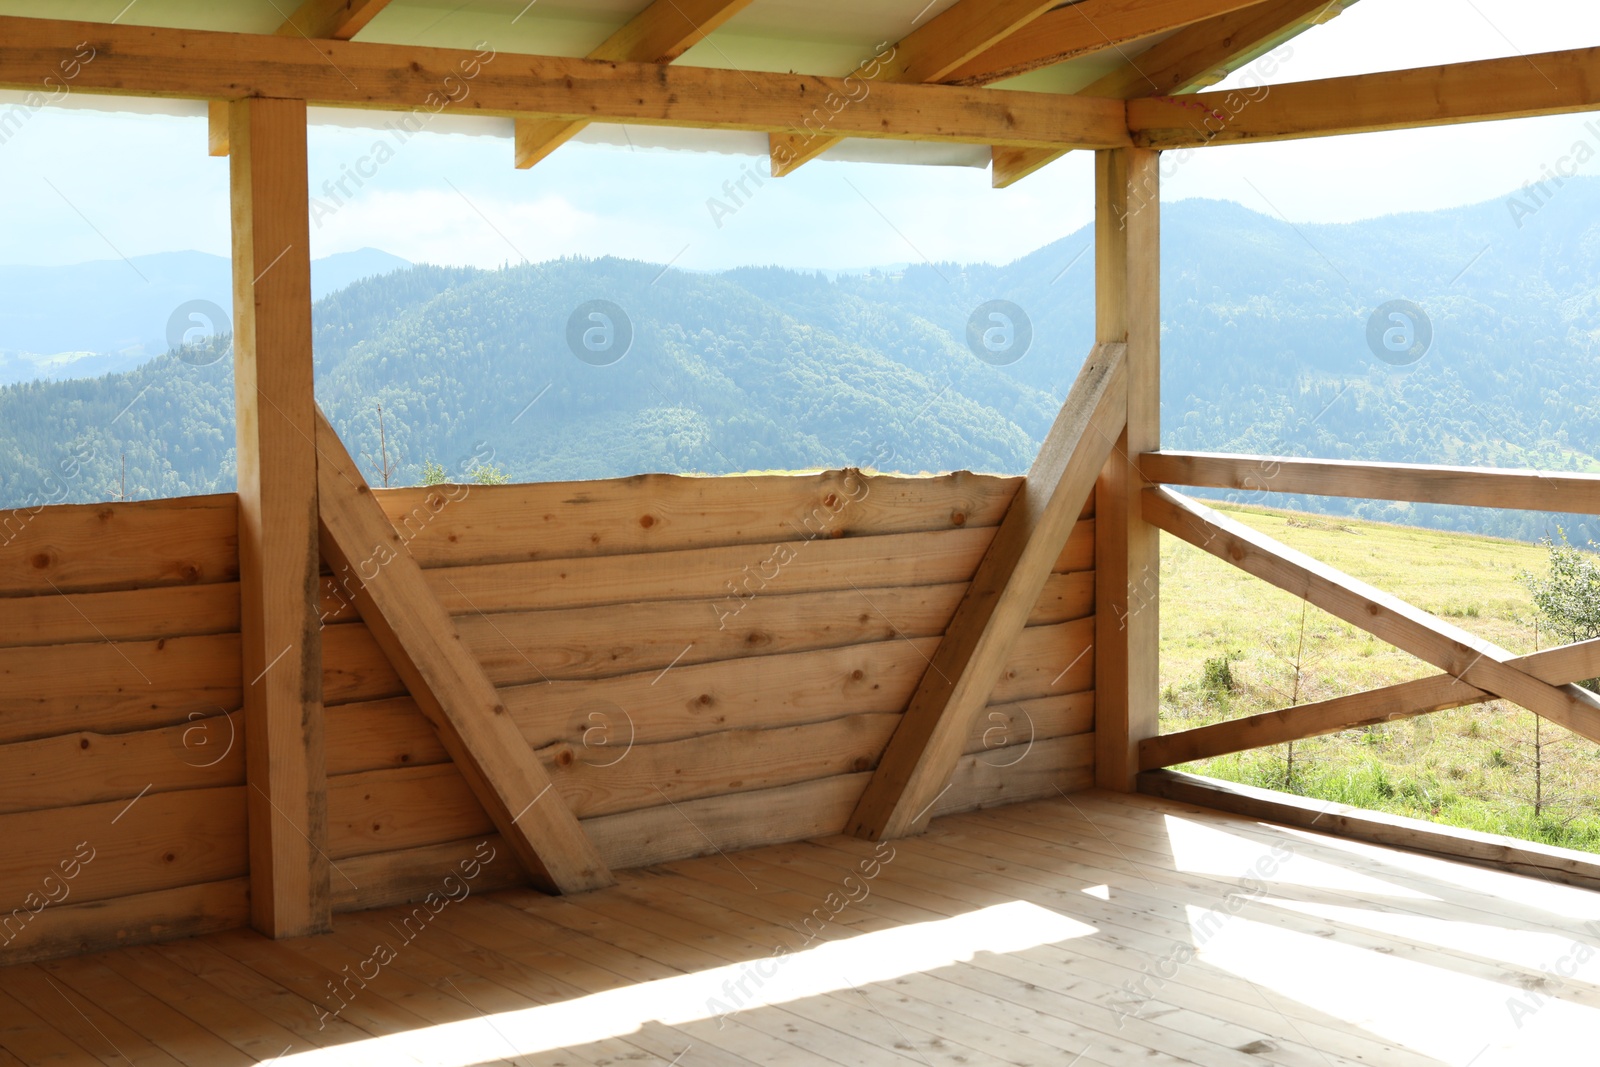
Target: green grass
point(1230, 645)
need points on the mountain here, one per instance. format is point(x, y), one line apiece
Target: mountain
point(112, 315)
point(1265, 349)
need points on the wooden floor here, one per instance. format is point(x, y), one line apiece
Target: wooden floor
point(1094, 929)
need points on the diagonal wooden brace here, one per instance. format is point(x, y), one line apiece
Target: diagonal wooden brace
point(369, 556)
point(1477, 662)
point(923, 752)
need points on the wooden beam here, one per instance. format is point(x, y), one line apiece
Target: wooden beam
point(1478, 487)
point(927, 54)
point(1396, 831)
point(450, 687)
point(1083, 29)
point(1199, 55)
point(197, 64)
point(659, 34)
point(1406, 700)
point(337, 20)
point(1552, 83)
point(931, 735)
point(1127, 549)
point(279, 585)
point(1477, 662)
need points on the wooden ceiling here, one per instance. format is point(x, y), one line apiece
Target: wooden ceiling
point(1015, 82)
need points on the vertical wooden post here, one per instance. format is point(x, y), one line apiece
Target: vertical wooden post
point(278, 554)
point(1127, 549)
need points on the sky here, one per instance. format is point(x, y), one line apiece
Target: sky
point(83, 185)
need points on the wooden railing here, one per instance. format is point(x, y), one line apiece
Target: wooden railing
point(1474, 669)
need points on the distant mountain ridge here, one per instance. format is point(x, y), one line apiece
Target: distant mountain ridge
point(111, 315)
point(1265, 349)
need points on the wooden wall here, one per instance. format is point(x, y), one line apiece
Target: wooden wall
point(122, 808)
point(670, 712)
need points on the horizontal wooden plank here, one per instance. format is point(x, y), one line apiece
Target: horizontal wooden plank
point(85, 768)
point(1405, 700)
point(726, 574)
point(109, 687)
point(1016, 724)
point(124, 615)
point(378, 735)
point(727, 761)
point(1478, 487)
point(649, 707)
point(194, 64)
point(83, 548)
point(158, 841)
point(73, 929)
point(726, 823)
point(1549, 83)
point(1339, 820)
point(1047, 768)
point(383, 811)
point(590, 643)
point(472, 525)
point(407, 875)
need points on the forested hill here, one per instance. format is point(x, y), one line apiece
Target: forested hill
point(1265, 336)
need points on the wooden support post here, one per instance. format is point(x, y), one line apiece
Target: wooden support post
point(1127, 549)
point(371, 564)
point(278, 581)
point(917, 765)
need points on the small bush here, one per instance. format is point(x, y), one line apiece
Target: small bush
point(1217, 678)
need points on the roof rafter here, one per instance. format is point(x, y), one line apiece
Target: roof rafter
point(927, 54)
point(1199, 55)
point(659, 34)
point(1083, 29)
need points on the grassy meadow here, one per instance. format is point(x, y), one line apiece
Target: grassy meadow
point(1233, 646)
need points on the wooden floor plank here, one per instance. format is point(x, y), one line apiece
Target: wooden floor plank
point(138, 1009)
point(33, 1040)
point(80, 1019)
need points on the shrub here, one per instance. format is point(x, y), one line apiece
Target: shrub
point(1217, 678)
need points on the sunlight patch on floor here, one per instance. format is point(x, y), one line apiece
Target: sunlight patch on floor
point(1200, 849)
point(829, 967)
point(1437, 1011)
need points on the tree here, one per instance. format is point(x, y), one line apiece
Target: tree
point(1568, 597)
point(432, 473)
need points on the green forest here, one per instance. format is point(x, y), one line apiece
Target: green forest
point(1264, 350)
